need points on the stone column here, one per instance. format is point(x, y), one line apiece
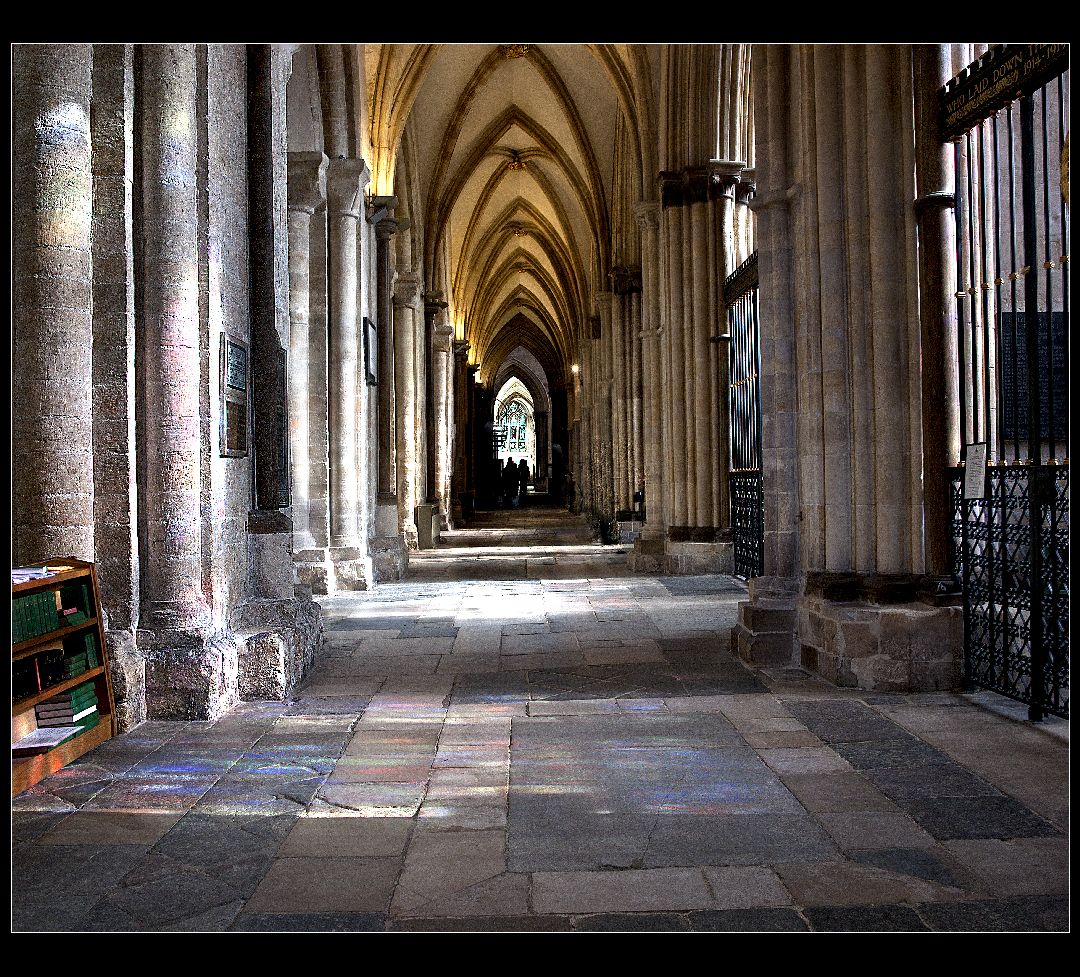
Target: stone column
point(389, 552)
point(449, 446)
point(723, 187)
point(318, 390)
point(307, 190)
point(116, 549)
point(698, 364)
point(173, 602)
point(617, 345)
point(53, 483)
point(542, 424)
point(637, 383)
point(346, 179)
point(432, 307)
point(458, 481)
point(406, 295)
point(655, 528)
point(385, 228)
point(674, 401)
point(442, 340)
point(603, 431)
point(933, 209)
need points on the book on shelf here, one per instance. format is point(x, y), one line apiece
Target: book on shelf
point(67, 700)
point(43, 740)
point(26, 574)
point(65, 708)
point(90, 715)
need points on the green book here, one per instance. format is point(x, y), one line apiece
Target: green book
point(92, 659)
point(52, 619)
point(31, 617)
point(16, 621)
point(87, 604)
point(82, 696)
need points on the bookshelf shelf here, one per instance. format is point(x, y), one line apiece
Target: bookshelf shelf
point(69, 683)
point(24, 648)
point(44, 658)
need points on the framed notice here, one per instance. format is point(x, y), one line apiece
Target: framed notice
point(975, 472)
point(233, 398)
point(371, 352)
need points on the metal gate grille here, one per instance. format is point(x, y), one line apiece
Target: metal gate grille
point(1011, 529)
point(744, 402)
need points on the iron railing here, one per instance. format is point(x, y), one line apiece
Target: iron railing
point(1011, 367)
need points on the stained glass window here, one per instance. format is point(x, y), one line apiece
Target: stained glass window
point(513, 417)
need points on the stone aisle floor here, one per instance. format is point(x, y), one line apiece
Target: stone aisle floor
point(523, 735)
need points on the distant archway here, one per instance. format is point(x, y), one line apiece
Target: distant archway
point(515, 420)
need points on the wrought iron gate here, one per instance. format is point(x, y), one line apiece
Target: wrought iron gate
point(1007, 116)
point(744, 403)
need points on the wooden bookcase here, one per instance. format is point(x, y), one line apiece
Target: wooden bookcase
point(27, 771)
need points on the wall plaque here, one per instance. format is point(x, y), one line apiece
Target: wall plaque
point(975, 471)
point(1051, 373)
point(371, 352)
point(233, 398)
point(997, 78)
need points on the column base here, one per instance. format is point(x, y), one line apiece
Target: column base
point(389, 558)
point(764, 634)
point(684, 557)
point(270, 556)
point(190, 675)
point(389, 555)
point(352, 569)
point(127, 670)
point(428, 525)
point(315, 570)
point(647, 556)
point(902, 647)
point(278, 644)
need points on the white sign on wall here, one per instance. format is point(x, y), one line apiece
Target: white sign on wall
point(975, 472)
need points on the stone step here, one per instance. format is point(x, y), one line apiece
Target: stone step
point(769, 648)
point(766, 616)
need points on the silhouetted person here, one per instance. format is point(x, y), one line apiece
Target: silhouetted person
point(509, 482)
point(523, 479)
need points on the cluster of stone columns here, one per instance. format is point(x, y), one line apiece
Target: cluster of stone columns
point(327, 420)
point(842, 373)
point(691, 241)
point(133, 258)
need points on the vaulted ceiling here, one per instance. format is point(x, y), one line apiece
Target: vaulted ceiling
point(513, 150)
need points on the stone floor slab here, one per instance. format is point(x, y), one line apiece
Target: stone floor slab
point(326, 885)
point(875, 919)
point(330, 837)
point(747, 921)
point(750, 887)
point(635, 890)
point(874, 829)
point(110, 828)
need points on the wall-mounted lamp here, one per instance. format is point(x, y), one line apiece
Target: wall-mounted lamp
point(575, 369)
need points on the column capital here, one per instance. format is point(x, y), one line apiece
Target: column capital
point(461, 348)
point(443, 338)
point(626, 279)
point(433, 303)
point(307, 181)
point(345, 182)
point(386, 229)
point(647, 215)
point(724, 177)
point(406, 289)
point(380, 210)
